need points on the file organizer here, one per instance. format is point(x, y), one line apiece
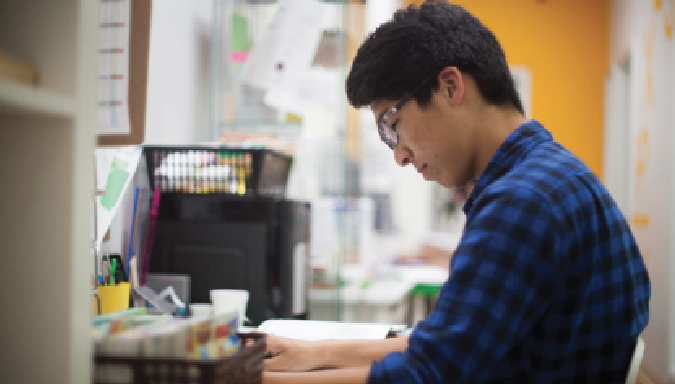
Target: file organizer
point(244, 367)
point(201, 170)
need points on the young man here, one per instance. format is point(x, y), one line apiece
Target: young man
point(547, 284)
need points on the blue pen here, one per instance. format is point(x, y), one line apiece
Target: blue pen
point(130, 252)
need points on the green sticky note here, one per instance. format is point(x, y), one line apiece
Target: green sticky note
point(116, 179)
point(239, 39)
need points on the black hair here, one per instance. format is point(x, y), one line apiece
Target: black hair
point(416, 44)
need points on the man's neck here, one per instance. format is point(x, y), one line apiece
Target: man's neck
point(496, 124)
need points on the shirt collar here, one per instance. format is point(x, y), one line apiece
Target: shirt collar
point(513, 149)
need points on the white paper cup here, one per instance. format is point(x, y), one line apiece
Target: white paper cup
point(230, 300)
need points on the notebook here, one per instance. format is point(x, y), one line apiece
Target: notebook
point(323, 330)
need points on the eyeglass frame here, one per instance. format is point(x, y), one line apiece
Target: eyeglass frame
point(382, 122)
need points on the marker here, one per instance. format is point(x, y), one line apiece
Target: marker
point(112, 271)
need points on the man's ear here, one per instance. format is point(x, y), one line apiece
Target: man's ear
point(451, 84)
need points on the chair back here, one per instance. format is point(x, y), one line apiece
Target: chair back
point(631, 378)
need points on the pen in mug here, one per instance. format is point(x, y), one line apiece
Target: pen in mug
point(113, 268)
point(105, 269)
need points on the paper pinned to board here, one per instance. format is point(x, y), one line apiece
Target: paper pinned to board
point(113, 67)
point(288, 44)
point(115, 167)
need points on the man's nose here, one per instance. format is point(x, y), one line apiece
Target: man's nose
point(402, 155)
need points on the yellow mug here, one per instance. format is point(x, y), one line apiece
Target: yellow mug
point(114, 298)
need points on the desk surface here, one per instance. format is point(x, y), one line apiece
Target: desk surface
point(421, 274)
point(389, 289)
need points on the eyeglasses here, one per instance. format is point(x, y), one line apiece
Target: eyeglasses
point(388, 132)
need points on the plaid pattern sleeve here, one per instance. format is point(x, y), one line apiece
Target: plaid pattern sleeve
point(546, 286)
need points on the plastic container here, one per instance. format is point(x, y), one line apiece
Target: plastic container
point(244, 367)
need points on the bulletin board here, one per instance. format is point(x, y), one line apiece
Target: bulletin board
point(139, 49)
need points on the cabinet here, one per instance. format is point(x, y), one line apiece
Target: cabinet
point(47, 138)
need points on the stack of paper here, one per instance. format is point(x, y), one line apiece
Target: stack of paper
point(323, 330)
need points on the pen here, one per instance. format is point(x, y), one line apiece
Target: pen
point(105, 270)
point(112, 271)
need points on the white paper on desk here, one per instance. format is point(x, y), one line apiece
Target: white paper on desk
point(324, 330)
point(421, 274)
point(288, 44)
point(113, 67)
point(115, 167)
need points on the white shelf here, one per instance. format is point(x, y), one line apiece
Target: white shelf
point(20, 98)
point(47, 141)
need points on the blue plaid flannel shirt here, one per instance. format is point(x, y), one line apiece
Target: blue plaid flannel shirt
point(547, 284)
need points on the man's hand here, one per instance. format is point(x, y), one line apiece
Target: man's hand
point(426, 255)
point(352, 375)
point(292, 355)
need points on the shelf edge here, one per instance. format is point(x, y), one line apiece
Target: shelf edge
point(20, 98)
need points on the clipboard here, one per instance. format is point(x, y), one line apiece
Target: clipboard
point(139, 52)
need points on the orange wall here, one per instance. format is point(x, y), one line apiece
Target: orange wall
point(565, 45)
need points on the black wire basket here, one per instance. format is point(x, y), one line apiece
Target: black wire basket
point(203, 170)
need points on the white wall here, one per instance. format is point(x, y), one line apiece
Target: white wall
point(639, 37)
point(178, 77)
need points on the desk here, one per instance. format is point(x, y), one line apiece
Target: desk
point(401, 295)
point(421, 300)
point(378, 302)
point(426, 282)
